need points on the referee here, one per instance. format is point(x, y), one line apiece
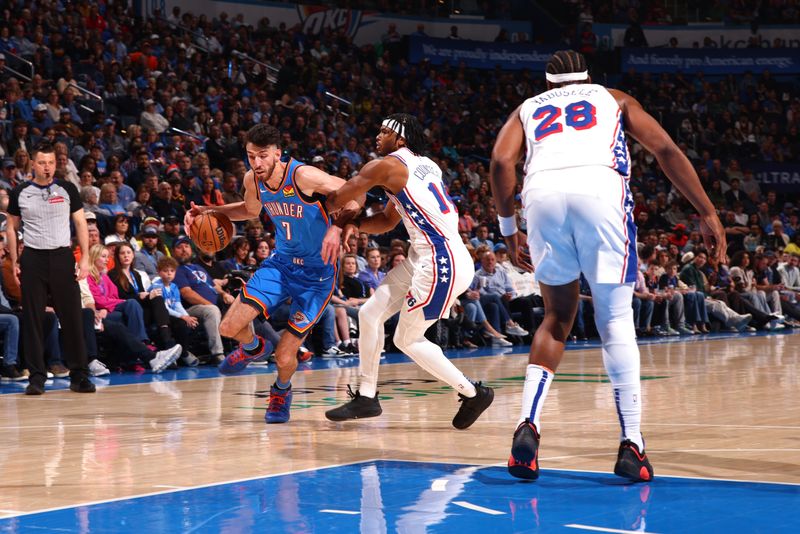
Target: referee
point(43, 207)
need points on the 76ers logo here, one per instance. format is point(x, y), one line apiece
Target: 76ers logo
point(411, 300)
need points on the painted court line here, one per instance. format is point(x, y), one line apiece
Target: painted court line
point(439, 484)
point(470, 506)
point(345, 512)
point(601, 529)
point(187, 488)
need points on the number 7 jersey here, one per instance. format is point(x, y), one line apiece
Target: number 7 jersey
point(574, 126)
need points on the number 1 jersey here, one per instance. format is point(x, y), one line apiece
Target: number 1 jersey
point(573, 126)
point(428, 213)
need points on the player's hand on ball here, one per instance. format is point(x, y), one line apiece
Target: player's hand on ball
point(193, 211)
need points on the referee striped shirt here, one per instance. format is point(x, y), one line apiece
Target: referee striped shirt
point(45, 212)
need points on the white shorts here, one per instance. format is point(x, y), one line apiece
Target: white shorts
point(583, 223)
point(433, 284)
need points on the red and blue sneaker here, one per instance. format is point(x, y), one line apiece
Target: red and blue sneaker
point(280, 401)
point(524, 459)
point(237, 360)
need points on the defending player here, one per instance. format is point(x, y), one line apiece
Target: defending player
point(579, 214)
point(293, 195)
point(424, 286)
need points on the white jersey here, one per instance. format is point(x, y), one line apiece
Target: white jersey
point(429, 215)
point(577, 125)
point(438, 268)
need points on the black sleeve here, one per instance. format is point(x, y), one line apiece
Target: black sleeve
point(75, 202)
point(13, 201)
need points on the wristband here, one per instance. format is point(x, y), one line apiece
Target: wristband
point(508, 225)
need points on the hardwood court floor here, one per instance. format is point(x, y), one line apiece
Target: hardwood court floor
point(720, 407)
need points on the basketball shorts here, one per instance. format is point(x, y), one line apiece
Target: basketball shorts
point(279, 279)
point(434, 281)
point(584, 227)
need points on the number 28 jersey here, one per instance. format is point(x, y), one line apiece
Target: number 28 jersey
point(573, 126)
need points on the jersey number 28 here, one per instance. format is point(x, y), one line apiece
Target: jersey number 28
point(578, 115)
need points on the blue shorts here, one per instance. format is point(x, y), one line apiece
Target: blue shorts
point(279, 279)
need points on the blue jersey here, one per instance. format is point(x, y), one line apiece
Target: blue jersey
point(300, 221)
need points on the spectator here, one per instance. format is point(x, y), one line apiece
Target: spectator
point(200, 296)
point(148, 256)
point(106, 296)
point(180, 321)
point(372, 276)
point(496, 294)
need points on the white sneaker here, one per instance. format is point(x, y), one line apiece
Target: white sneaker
point(165, 358)
point(335, 352)
point(98, 368)
point(516, 330)
point(500, 342)
point(742, 322)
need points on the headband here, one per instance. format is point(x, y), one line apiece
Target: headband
point(567, 77)
point(394, 126)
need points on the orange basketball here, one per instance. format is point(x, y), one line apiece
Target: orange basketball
point(211, 231)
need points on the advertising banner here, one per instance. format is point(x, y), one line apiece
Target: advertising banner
point(365, 27)
point(712, 61)
point(703, 35)
point(479, 55)
point(781, 177)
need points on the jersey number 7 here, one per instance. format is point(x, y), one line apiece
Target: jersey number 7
point(578, 115)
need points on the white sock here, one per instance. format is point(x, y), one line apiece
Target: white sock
point(537, 384)
point(410, 338)
point(628, 399)
point(614, 320)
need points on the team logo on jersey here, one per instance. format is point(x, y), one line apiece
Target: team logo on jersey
point(288, 191)
point(299, 317)
point(315, 19)
point(411, 300)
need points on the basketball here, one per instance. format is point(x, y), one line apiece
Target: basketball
point(211, 231)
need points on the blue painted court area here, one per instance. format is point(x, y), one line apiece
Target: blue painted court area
point(396, 496)
point(184, 373)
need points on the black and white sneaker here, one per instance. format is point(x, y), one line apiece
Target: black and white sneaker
point(334, 352)
point(358, 407)
point(472, 407)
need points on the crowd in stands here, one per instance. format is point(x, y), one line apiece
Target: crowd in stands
point(179, 92)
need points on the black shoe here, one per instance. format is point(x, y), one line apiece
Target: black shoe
point(358, 407)
point(472, 407)
point(82, 385)
point(34, 389)
point(632, 464)
point(524, 459)
point(11, 373)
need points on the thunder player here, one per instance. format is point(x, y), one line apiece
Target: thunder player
point(424, 286)
point(293, 195)
point(579, 213)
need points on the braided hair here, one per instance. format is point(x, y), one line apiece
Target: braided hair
point(413, 133)
point(564, 62)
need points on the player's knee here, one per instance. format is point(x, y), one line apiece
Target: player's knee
point(400, 339)
point(369, 314)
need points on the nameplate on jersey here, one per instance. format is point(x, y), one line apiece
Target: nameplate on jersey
point(56, 199)
point(421, 171)
point(284, 209)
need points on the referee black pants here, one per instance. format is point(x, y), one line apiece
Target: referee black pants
point(51, 272)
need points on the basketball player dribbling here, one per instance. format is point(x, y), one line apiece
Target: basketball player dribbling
point(578, 210)
point(424, 286)
point(302, 267)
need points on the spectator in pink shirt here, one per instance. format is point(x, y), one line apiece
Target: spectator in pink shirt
point(106, 296)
